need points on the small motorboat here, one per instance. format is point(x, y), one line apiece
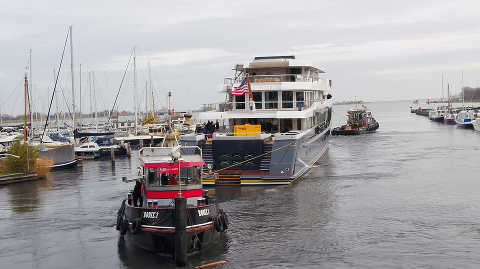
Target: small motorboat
point(168, 175)
point(359, 121)
point(438, 114)
point(88, 150)
point(464, 119)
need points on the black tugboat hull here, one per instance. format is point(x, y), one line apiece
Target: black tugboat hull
point(156, 232)
point(356, 131)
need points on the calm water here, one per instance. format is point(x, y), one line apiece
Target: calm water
point(404, 197)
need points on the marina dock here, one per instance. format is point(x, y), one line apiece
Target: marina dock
point(18, 177)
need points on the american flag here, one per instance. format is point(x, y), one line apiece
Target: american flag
point(242, 89)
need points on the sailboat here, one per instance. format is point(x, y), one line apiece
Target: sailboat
point(438, 114)
point(465, 117)
point(62, 153)
point(138, 139)
point(449, 115)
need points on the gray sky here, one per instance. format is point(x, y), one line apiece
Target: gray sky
point(374, 50)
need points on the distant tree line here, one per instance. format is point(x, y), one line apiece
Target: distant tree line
point(471, 94)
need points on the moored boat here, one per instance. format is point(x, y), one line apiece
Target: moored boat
point(476, 124)
point(107, 145)
point(360, 121)
point(276, 119)
point(152, 224)
point(88, 150)
point(464, 119)
point(449, 118)
point(438, 114)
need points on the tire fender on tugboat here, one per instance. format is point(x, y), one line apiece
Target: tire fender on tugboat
point(119, 222)
point(124, 227)
point(136, 226)
point(218, 224)
point(224, 219)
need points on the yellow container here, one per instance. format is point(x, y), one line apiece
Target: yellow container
point(247, 130)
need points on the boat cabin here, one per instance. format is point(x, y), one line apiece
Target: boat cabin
point(165, 178)
point(360, 117)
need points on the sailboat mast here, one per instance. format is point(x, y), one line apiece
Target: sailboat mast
point(95, 102)
point(106, 89)
point(73, 83)
point(449, 103)
point(146, 101)
point(135, 83)
point(25, 121)
point(80, 103)
point(56, 104)
point(30, 94)
point(151, 91)
point(443, 95)
point(463, 94)
point(90, 93)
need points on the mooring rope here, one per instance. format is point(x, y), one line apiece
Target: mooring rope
point(213, 172)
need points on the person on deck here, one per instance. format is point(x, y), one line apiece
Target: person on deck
point(173, 180)
point(138, 194)
point(269, 127)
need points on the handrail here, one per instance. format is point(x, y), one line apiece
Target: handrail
point(140, 151)
point(269, 105)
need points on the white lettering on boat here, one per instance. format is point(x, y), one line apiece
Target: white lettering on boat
point(203, 212)
point(150, 215)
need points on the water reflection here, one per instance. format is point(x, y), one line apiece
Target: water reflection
point(23, 197)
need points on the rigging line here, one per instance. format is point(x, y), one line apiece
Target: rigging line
point(121, 83)
point(339, 115)
point(95, 84)
point(54, 88)
point(161, 105)
point(20, 83)
point(155, 73)
point(289, 144)
point(16, 100)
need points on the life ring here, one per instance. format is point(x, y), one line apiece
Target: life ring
point(136, 226)
point(124, 227)
point(217, 223)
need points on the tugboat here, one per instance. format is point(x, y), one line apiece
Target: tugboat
point(174, 216)
point(360, 121)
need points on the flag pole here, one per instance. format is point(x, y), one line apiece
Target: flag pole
point(249, 88)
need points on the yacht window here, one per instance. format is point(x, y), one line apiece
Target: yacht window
point(257, 98)
point(300, 98)
point(271, 100)
point(287, 99)
point(240, 102)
